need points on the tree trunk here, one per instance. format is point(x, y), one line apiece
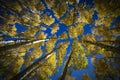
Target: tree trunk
point(111, 41)
point(9, 47)
point(66, 68)
point(107, 47)
point(115, 28)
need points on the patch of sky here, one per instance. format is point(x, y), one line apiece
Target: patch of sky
point(87, 29)
point(48, 32)
point(99, 56)
point(118, 37)
point(90, 3)
point(80, 36)
point(117, 20)
point(20, 28)
point(48, 12)
point(90, 68)
point(78, 74)
point(10, 13)
point(95, 15)
point(22, 68)
point(81, 1)
point(12, 38)
point(70, 6)
point(3, 35)
point(62, 28)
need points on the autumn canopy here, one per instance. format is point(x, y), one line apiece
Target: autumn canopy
point(50, 39)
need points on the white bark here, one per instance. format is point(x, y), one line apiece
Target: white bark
point(12, 41)
point(34, 42)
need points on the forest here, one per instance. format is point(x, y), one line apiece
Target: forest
point(59, 39)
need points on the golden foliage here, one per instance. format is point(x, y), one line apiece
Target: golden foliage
point(61, 52)
point(15, 6)
point(89, 37)
point(104, 21)
point(31, 20)
point(36, 53)
point(47, 19)
point(68, 77)
point(75, 31)
point(86, 77)
point(105, 8)
point(12, 31)
point(22, 51)
point(47, 68)
point(40, 6)
point(101, 70)
point(58, 10)
point(72, 1)
point(89, 48)
point(77, 48)
point(55, 28)
point(41, 35)
point(50, 45)
point(50, 3)
point(15, 68)
point(103, 31)
point(78, 60)
point(52, 60)
point(86, 15)
point(31, 14)
point(70, 18)
point(63, 35)
point(10, 19)
point(30, 32)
